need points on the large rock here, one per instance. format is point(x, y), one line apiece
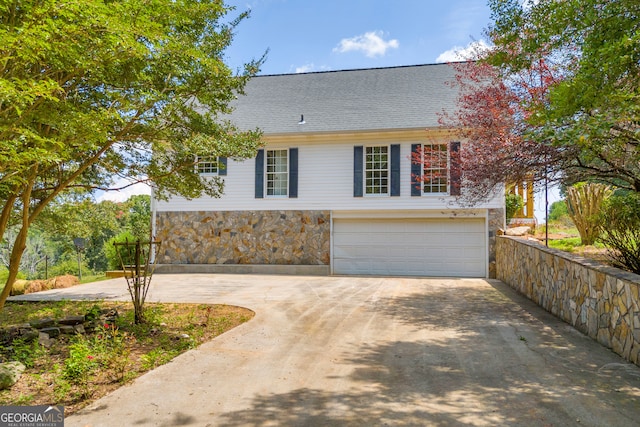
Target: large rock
point(10, 373)
point(518, 231)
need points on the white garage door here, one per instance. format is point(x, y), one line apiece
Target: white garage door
point(421, 247)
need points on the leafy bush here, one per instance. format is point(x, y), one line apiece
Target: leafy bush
point(111, 251)
point(621, 230)
point(559, 213)
point(513, 203)
point(81, 362)
point(24, 351)
point(68, 266)
point(4, 273)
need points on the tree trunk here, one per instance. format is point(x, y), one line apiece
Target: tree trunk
point(19, 246)
point(21, 239)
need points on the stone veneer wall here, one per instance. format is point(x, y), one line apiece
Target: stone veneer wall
point(244, 237)
point(598, 300)
point(496, 222)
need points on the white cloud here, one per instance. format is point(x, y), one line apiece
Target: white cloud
point(470, 52)
point(371, 43)
point(124, 194)
point(307, 68)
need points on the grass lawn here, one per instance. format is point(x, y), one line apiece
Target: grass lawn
point(75, 370)
point(566, 238)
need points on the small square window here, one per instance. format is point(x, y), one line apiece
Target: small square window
point(207, 165)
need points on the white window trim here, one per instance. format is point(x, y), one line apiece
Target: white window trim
point(364, 172)
point(210, 160)
point(441, 193)
point(266, 174)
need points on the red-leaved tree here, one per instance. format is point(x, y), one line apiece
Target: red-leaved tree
point(493, 118)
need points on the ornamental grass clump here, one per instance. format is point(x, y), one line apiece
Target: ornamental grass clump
point(584, 203)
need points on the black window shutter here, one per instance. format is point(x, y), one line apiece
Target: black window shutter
point(293, 172)
point(395, 169)
point(222, 165)
point(358, 161)
point(416, 171)
point(260, 174)
point(456, 168)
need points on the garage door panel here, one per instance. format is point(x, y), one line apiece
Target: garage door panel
point(430, 247)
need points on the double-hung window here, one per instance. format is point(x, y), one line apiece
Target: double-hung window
point(376, 170)
point(277, 181)
point(435, 173)
point(276, 173)
point(436, 169)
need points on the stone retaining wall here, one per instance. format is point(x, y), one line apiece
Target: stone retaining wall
point(244, 237)
point(602, 302)
point(496, 222)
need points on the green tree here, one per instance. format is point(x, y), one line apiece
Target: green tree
point(117, 255)
point(94, 222)
point(558, 210)
point(91, 90)
point(139, 216)
point(513, 203)
point(569, 73)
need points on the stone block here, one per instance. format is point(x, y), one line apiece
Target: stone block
point(52, 332)
point(634, 354)
point(67, 329)
point(42, 323)
point(71, 320)
point(10, 373)
point(604, 337)
point(45, 340)
point(592, 323)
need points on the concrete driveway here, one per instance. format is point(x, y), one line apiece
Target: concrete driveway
point(344, 351)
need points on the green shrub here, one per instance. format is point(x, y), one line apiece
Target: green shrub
point(4, 273)
point(81, 362)
point(111, 251)
point(620, 226)
point(68, 266)
point(513, 203)
point(24, 351)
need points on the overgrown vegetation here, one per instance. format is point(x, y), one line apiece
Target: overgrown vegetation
point(50, 250)
point(620, 230)
point(76, 370)
point(513, 203)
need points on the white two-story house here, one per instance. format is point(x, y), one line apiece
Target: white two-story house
point(334, 189)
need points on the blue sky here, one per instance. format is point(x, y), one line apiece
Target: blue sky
point(322, 35)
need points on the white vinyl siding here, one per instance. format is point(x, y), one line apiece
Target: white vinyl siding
point(325, 182)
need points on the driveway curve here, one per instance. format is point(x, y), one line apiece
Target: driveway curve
point(347, 351)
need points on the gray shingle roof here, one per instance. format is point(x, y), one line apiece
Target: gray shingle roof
point(352, 100)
